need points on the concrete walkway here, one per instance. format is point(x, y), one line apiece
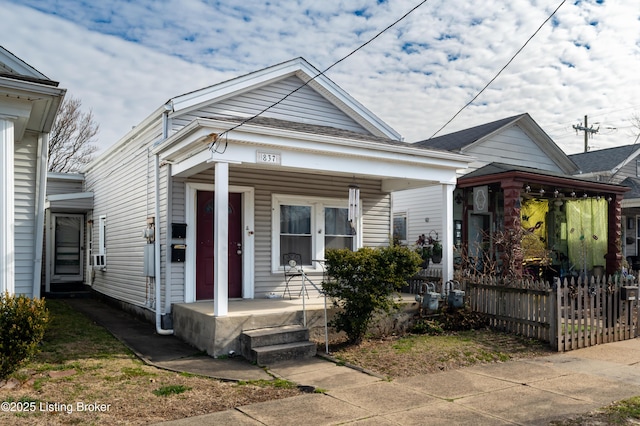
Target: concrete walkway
point(530, 392)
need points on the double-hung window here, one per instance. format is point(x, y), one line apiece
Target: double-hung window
point(338, 233)
point(309, 226)
point(295, 231)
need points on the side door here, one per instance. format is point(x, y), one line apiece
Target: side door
point(68, 250)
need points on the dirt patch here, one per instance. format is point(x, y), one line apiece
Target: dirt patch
point(409, 355)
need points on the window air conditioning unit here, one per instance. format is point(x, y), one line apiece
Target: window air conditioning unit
point(100, 262)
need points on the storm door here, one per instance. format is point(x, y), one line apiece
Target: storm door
point(68, 237)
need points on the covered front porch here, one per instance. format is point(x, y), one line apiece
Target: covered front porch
point(294, 195)
point(571, 227)
point(253, 194)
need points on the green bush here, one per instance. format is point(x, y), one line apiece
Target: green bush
point(22, 325)
point(363, 283)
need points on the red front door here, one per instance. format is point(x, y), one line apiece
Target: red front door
point(205, 249)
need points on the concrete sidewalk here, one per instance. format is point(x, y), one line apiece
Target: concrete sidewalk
point(529, 392)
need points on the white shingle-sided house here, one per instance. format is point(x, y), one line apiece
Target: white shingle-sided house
point(516, 165)
point(29, 102)
point(200, 202)
point(516, 140)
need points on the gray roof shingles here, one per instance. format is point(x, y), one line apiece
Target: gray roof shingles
point(458, 140)
point(603, 160)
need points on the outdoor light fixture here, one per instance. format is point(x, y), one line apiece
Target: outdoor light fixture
point(556, 193)
point(584, 195)
point(573, 194)
point(527, 189)
point(541, 192)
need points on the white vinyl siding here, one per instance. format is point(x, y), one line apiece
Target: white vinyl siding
point(123, 186)
point(511, 146)
point(303, 106)
point(177, 216)
point(628, 170)
point(25, 153)
point(422, 208)
point(57, 186)
point(375, 208)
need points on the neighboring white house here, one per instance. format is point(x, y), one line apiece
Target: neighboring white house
point(201, 200)
point(29, 102)
point(516, 140)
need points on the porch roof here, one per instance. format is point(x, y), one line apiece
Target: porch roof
point(78, 202)
point(313, 148)
point(495, 172)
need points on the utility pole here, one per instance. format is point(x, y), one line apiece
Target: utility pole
point(587, 130)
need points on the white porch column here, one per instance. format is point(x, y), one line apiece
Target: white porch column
point(447, 232)
point(7, 207)
point(221, 240)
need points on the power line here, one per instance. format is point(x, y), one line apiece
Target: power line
point(565, 126)
point(212, 146)
point(499, 72)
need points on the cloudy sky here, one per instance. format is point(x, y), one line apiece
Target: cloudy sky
point(123, 59)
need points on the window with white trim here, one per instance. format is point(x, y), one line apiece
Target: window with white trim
point(295, 231)
point(400, 226)
point(309, 226)
point(102, 235)
point(100, 258)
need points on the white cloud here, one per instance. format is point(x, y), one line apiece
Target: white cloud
point(124, 59)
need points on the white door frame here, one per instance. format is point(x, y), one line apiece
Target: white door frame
point(248, 254)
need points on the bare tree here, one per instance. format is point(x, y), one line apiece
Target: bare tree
point(635, 122)
point(70, 143)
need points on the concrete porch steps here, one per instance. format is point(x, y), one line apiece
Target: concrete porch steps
point(266, 346)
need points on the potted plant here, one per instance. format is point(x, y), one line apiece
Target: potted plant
point(423, 248)
point(436, 252)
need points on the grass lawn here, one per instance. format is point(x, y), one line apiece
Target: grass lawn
point(83, 375)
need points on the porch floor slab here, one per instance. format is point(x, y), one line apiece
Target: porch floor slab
point(244, 307)
point(197, 323)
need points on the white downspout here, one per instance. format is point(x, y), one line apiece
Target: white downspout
point(167, 266)
point(41, 178)
point(158, 269)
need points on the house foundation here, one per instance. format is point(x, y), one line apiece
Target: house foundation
point(218, 336)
